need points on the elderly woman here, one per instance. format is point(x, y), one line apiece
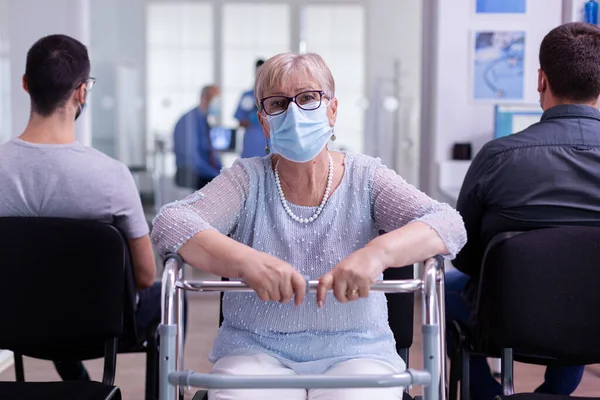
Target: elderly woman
point(305, 211)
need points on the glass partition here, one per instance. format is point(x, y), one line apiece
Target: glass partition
point(5, 117)
point(250, 32)
point(179, 37)
point(337, 32)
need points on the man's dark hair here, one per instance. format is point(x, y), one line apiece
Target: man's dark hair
point(259, 63)
point(570, 57)
point(56, 66)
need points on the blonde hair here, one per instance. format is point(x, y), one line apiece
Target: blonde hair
point(278, 68)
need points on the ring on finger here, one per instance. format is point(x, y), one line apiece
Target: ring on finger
point(352, 292)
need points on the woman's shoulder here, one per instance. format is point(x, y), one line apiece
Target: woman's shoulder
point(251, 162)
point(358, 161)
point(364, 168)
point(253, 167)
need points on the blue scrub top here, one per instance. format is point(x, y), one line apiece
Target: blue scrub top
point(192, 145)
point(254, 138)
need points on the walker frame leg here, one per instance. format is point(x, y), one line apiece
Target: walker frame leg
point(172, 377)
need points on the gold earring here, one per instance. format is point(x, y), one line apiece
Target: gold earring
point(332, 135)
point(267, 150)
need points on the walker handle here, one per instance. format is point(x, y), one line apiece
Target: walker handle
point(399, 286)
point(217, 381)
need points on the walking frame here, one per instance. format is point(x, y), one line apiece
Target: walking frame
point(172, 377)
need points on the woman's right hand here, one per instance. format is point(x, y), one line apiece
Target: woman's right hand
point(268, 276)
point(273, 279)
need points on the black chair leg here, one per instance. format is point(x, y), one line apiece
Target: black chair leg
point(152, 355)
point(460, 362)
point(19, 367)
point(115, 394)
point(455, 371)
point(465, 379)
point(110, 361)
point(201, 395)
point(507, 373)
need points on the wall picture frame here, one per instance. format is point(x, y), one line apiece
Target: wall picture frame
point(500, 6)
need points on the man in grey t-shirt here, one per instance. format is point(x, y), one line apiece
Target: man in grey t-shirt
point(69, 180)
point(45, 172)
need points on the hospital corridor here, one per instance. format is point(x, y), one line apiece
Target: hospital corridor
point(299, 199)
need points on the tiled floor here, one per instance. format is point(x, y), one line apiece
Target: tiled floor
point(203, 319)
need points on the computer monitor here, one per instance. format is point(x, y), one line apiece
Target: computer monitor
point(509, 119)
point(223, 139)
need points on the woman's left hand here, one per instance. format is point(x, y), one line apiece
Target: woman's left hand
point(352, 278)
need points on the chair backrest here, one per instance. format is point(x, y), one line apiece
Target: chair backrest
point(62, 286)
point(401, 310)
point(539, 294)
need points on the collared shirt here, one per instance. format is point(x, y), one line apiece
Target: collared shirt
point(254, 138)
point(192, 145)
point(545, 176)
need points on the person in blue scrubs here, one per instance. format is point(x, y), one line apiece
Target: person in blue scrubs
point(197, 161)
point(247, 115)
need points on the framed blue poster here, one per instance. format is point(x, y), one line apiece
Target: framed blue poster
point(501, 6)
point(498, 66)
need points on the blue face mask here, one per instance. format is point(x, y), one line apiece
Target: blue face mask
point(81, 107)
point(80, 110)
point(214, 110)
point(299, 135)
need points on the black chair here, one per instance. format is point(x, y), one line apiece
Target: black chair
point(537, 303)
point(401, 308)
point(67, 292)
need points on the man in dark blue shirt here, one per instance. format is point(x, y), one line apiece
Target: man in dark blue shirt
point(197, 162)
point(545, 176)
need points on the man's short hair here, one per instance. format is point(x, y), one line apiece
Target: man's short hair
point(570, 58)
point(56, 66)
point(206, 90)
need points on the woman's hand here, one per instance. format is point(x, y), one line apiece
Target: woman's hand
point(352, 278)
point(273, 279)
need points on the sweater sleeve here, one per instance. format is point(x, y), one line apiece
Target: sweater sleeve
point(397, 203)
point(216, 206)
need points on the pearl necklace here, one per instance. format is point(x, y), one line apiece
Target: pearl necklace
point(285, 204)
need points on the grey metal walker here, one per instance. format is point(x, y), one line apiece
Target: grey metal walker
point(172, 377)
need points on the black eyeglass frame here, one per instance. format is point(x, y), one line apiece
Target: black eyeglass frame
point(292, 99)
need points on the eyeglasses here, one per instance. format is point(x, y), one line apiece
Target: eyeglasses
point(89, 84)
point(276, 105)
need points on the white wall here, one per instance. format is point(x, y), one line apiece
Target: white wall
point(456, 117)
point(28, 21)
point(117, 53)
point(5, 113)
point(394, 35)
point(573, 10)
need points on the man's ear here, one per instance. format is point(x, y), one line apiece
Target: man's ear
point(81, 94)
point(25, 87)
point(542, 81)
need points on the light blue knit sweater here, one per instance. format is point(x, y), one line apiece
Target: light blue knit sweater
point(243, 202)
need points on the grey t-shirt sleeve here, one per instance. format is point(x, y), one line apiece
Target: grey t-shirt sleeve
point(126, 206)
